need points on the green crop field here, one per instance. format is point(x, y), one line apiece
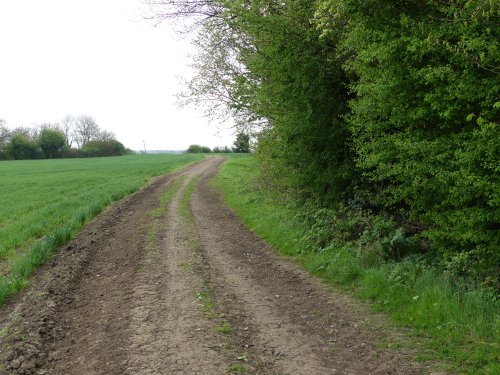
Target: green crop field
point(43, 203)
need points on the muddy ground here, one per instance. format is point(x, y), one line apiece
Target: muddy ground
point(150, 288)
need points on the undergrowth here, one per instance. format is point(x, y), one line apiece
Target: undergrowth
point(459, 320)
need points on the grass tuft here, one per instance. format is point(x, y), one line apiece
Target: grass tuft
point(224, 328)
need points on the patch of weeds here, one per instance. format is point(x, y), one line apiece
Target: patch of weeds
point(211, 314)
point(155, 213)
point(152, 234)
point(224, 328)
point(207, 306)
point(4, 331)
point(236, 369)
point(204, 301)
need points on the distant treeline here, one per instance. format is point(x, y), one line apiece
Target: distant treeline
point(198, 149)
point(49, 141)
point(241, 145)
point(385, 110)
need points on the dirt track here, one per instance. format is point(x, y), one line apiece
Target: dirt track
point(150, 290)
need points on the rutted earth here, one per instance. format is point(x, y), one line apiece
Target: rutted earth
point(151, 287)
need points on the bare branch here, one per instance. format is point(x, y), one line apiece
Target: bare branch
point(86, 130)
point(193, 12)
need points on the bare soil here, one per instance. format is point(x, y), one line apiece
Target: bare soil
point(146, 290)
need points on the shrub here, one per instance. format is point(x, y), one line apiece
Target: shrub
point(21, 147)
point(52, 142)
point(103, 148)
point(197, 149)
point(425, 118)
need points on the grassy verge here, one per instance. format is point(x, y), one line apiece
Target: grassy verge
point(461, 322)
point(46, 202)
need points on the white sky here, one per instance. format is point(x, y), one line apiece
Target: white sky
point(101, 58)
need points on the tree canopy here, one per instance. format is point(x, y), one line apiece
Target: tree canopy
point(52, 142)
point(242, 143)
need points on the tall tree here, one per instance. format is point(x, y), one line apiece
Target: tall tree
point(52, 142)
point(264, 63)
point(4, 138)
point(105, 136)
point(4, 132)
point(68, 125)
point(242, 143)
point(86, 130)
point(193, 13)
point(30, 133)
point(222, 84)
point(302, 90)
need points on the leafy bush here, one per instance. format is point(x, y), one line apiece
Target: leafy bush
point(425, 117)
point(197, 149)
point(242, 143)
point(21, 147)
point(302, 91)
point(52, 142)
point(103, 148)
point(376, 237)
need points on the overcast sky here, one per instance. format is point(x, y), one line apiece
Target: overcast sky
point(101, 58)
